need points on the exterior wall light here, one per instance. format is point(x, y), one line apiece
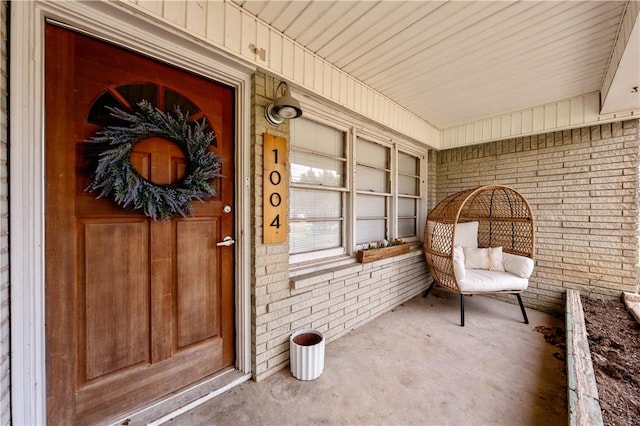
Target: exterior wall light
point(286, 106)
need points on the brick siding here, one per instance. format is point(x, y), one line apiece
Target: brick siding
point(5, 379)
point(332, 301)
point(582, 185)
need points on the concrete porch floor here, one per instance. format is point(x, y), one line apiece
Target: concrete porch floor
point(415, 365)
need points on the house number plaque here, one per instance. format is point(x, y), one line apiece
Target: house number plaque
point(275, 214)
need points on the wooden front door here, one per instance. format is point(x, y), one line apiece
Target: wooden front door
point(135, 308)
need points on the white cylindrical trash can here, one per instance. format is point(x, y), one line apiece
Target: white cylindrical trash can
point(306, 348)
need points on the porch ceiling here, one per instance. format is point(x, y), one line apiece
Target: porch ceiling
point(455, 62)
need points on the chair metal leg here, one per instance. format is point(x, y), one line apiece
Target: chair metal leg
point(524, 313)
point(426, 293)
point(462, 310)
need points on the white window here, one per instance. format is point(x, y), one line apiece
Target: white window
point(373, 188)
point(330, 216)
point(317, 209)
point(408, 194)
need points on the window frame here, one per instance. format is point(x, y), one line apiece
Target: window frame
point(388, 197)
point(352, 129)
point(344, 190)
point(419, 197)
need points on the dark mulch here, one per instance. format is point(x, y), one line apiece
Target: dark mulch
point(614, 341)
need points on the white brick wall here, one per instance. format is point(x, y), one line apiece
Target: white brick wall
point(5, 396)
point(332, 301)
point(583, 188)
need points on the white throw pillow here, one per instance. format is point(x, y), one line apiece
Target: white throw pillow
point(476, 258)
point(466, 234)
point(495, 259)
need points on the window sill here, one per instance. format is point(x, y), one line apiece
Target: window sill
point(306, 276)
point(313, 266)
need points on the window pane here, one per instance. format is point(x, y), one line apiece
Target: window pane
point(174, 99)
point(407, 207)
point(370, 206)
point(309, 229)
point(370, 231)
point(406, 227)
point(407, 185)
point(372, 154)
point(407, 164)
point(316, 170)
point(369, 179)
point(317, 137)
point(310, 204)
point(310, 236)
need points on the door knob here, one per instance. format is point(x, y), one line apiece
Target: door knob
point(226, 242)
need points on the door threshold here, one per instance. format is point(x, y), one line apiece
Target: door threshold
point(165, 409)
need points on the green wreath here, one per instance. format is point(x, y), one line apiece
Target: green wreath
point(114, 175)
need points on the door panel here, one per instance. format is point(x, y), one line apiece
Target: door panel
point(116, 296)
point(135, 308)
point(197, 251)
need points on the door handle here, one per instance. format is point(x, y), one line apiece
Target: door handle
point(226, 242)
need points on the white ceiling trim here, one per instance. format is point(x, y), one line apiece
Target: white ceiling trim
point(456, 64)
point(237, 32)
point(481, 105)
point(579, 111)
point(623, 73)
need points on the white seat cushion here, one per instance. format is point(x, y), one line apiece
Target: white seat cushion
point(482, 281)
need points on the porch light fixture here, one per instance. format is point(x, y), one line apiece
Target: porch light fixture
point(286, 106)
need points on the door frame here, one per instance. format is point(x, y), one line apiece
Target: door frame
point(109, 22)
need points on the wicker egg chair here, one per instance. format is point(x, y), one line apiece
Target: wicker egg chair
point(505, 220)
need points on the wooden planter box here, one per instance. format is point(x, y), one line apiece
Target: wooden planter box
point(370, 255)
